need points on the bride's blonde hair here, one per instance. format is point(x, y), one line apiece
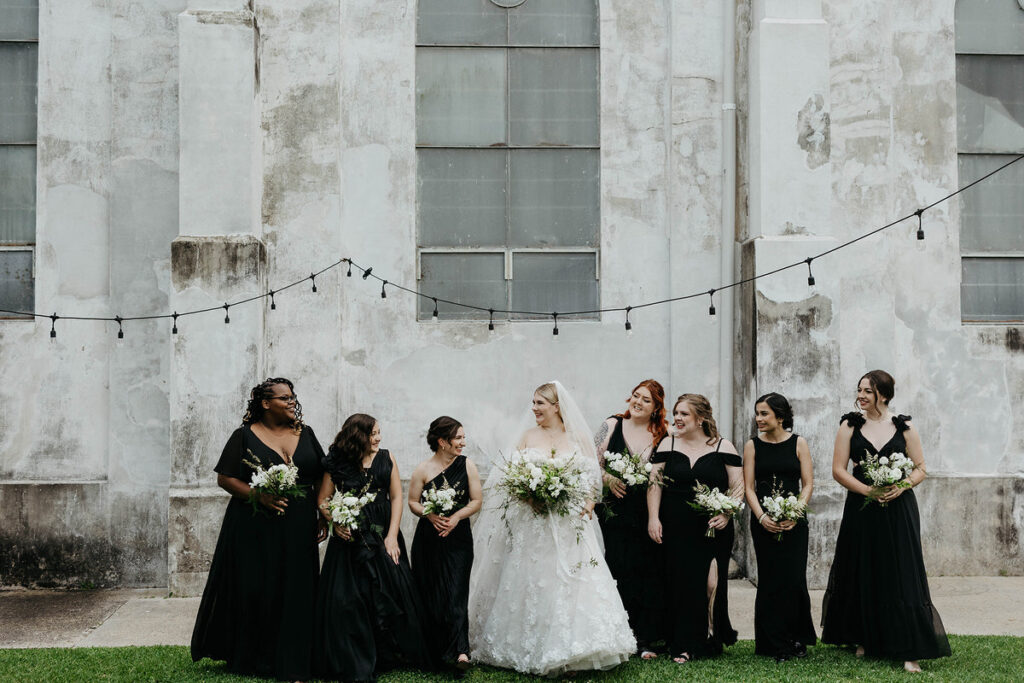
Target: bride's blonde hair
point(549, 392)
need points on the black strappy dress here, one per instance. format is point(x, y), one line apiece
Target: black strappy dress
point(258, 604)
point(368, 617)
point(782, 607)
point(877, 593)
point(633, 558)
point(441, 568)
point(688, 554)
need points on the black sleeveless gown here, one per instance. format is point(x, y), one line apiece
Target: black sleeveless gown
point(782, 607)
point(441, 568)
point(633, 558)
point(258, 604)
point(877, 593)
point(368, 614)
point(688, 554)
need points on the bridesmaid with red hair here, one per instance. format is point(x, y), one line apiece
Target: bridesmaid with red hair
point(629, 551)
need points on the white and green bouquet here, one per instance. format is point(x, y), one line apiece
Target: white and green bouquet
point(629, 467)
point(344, 508)
point(783, 507)
point(883, 471)
point(440, 501)
point(712, 502)
point(280, 481)
point(549, 486)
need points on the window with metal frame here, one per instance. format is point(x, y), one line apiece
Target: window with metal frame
point(19, 59)
point(508, 156)
point(990, 132)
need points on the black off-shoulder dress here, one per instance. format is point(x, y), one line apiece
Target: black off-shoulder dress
point(877, 593)
point(688, 554)
point(257, 608)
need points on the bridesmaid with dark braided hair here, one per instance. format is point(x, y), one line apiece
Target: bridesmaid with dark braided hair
point(258, 606)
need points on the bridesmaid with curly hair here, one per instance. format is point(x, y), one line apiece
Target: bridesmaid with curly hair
point(877, 596)
point(257, 608)
point(631, 555)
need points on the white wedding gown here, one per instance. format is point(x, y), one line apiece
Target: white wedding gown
point(541, 598)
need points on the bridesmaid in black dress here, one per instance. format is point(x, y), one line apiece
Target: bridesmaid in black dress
point(696, 612)
point(778, 459)
point(631, 555)
point(257, 608)
point(368, 614)
point(877, 596)
point(442, 549)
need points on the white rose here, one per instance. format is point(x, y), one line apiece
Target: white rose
point(350, 501)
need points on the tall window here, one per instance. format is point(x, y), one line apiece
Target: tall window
point(19, 42)
point(990, 132)
point(507, 135)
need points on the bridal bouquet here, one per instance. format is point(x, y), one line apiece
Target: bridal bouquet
point(882, 471)
point(712, 502)
point(552, 486)
point(344, 507)
point(439, 501)
point(783, 507)
point(277, 480)
point(629, 467)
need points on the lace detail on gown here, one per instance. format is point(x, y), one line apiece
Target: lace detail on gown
point(542, 599)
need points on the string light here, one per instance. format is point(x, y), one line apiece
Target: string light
point(367, 273)
point(174, 327)
point(629, 325)
point(434, 316)
point(383, 294)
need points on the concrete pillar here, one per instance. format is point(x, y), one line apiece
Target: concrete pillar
point(788, 326)
point(218, 257)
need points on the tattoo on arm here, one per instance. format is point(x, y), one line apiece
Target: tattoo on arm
point(602, 433)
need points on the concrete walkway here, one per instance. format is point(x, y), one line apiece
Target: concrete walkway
point(114, 618)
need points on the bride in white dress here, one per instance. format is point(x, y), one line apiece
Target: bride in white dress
point(541, 598)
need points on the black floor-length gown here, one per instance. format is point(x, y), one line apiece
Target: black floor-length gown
point(688, 554)
point(877, 593)
point(258, 605)
point(368, 614)
point(441, 568)
point(633, 558)
point(782, 607)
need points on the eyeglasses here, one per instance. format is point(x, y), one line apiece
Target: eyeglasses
point(287, 399)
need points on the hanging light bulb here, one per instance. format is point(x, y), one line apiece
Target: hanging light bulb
point(273, 304)
point(629, 325)
point(810, 275)
point(227, 319)
point(554, 332)
point(711, 306)
point(174, 325)
point(120, 331)
point(313, 280)
point(383, 294)
point(919, 243)
point(490, 322)
point(434, 315)
point(53, 327)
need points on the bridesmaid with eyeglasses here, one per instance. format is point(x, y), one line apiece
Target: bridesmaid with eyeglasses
point(257, 609)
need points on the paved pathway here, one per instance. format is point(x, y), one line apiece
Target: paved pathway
point(114, 618)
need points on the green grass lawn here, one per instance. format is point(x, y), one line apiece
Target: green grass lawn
point(975, 658)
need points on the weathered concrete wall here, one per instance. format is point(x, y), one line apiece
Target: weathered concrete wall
point(286, 140)
point(83, 431)
point(890, 123)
